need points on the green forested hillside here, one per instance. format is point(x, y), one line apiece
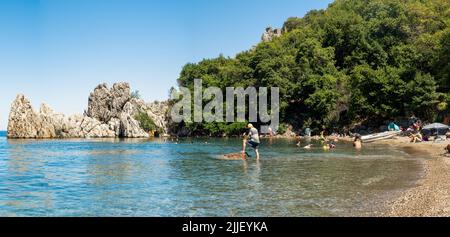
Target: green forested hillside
point(358, 61)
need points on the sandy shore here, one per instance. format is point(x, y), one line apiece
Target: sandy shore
point(431, 195)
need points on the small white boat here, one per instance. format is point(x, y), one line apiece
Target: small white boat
point(379, 136)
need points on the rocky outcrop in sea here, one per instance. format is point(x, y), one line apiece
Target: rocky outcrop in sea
point(110, 113)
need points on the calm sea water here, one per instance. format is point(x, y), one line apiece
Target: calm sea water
point(164, 178)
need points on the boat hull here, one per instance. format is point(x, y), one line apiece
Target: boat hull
point(379, 136)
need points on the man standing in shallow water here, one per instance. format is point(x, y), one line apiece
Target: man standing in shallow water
point(253, 142)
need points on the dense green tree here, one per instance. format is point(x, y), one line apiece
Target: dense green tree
point(358, 61)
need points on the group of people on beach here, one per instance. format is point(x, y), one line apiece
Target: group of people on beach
point(252, 138)
point(414, 129)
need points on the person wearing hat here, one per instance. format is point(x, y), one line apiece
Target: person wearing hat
point(254, 140)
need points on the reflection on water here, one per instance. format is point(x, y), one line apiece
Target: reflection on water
point(112, 177)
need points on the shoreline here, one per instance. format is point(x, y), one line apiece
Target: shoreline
point(430, 197)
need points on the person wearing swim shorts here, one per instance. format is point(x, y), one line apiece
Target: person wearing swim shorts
point(252, 139)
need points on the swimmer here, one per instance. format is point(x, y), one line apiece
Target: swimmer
point(357, 143)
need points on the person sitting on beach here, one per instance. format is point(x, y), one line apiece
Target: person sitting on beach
point(416, 137)
point(357, 143)
point(448, 149)
point(253, 142)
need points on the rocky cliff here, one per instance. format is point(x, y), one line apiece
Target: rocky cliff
point(110, 113)
point(270, 34)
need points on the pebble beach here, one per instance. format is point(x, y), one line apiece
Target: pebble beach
point(431, 195)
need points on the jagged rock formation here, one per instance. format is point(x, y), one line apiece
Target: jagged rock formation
point(110, 113)
point(23, 120)
point(115, 108)
point(105, 103)
point(79, 126)
point(270, 34)
point(51, 123)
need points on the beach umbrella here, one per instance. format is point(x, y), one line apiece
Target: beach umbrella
point(439, 128)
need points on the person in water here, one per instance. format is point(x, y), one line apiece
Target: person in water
point(328, 146)
point(253, 142)
point(357, 143)
point(322, 136)
point(270, 132)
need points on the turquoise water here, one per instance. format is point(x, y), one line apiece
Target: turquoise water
point(188, 178)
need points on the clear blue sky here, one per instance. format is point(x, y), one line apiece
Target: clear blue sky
point(57, 51)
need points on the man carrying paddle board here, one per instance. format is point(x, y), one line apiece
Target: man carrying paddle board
point(253, 142)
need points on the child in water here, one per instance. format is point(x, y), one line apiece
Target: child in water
point(329, 146)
